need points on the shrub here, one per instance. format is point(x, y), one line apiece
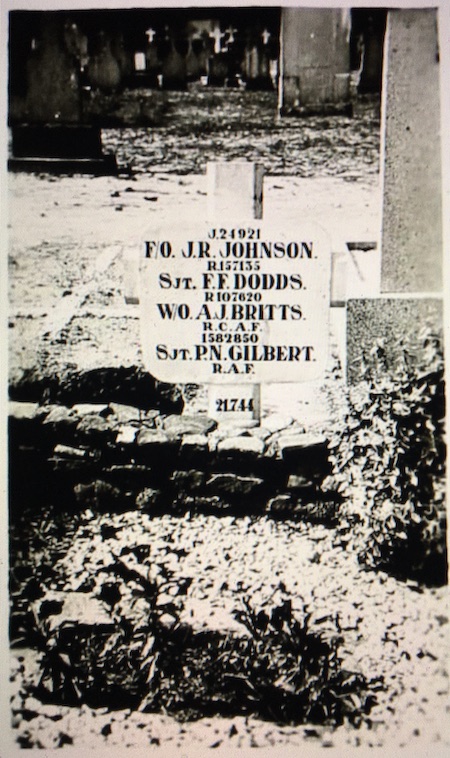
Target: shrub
point(389, 462)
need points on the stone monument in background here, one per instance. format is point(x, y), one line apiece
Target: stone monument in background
point(411, 146)
point(315, 59)
point(48, 133)
point(410, 298)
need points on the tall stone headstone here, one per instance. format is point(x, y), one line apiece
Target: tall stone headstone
point(218, 69)
point(121, 55)
point(411, 152)
point(52, 89)
point(195, 67)
point(49, 129)
point(372, 53)
point(153, 64)
point(103, 69)
point(257, 67)
point(174, 72)
point(315, 53)
point(409, 307)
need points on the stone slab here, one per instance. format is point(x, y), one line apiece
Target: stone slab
point(232, 484)
point(178, 426)
point(275, 422)
point(56, 141)
point(188, 481)
point(194, 442)
point(24, 411)
point(95, 427)
point(58, 609)
point(126, 413)
point(85, 409)
point(396, 324)
point(304, 441)
point(151, 438)
point(126, 435)
point(298, 482)
point(105, 166)
point(60, 415)
point(67, 451)
point(241, 445)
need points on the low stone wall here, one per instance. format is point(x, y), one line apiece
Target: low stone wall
point(110, 456)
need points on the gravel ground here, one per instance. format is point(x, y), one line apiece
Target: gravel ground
point(66, 309)
point(200, 126)
point(393, 630)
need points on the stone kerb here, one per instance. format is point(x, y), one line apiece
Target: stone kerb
point(108, 457)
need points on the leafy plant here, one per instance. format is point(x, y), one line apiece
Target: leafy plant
point(293, 670)
point(389, 463)
point(284, 667)
point(281, 670)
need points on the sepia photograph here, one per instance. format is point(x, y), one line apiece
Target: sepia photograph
point(224, 313)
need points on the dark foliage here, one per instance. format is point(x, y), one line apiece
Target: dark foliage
point(389, 462)
point(283, 668)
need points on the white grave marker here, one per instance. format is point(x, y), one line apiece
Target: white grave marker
point(220, 303)
point(228, 302)
point(140, 63)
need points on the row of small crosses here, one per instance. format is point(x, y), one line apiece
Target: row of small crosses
point(217, 36)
